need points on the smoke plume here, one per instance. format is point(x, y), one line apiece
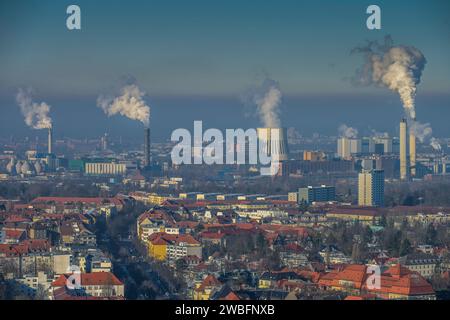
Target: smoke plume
point(422, 131)
point(267, 99)
point(398, 68)
point(36, 114)
point(435, 144)
point(129, 103)
point(347, 132)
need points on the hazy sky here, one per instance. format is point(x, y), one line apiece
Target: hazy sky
point(213, 50)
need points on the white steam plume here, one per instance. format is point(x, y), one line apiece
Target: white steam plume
point(398, 68)
point(435, 144)
point(130, 103)
point(422, 131)
point(378, 134)
point(347, 132)
point(267, 99)
point(36, 114)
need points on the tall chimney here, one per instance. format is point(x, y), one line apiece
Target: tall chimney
point(50, 139)
point(412, 153)
point(147, 147)
point(403, 150)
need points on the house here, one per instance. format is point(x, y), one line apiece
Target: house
point(14, 236)
point(97, 284)
point(155, 221)
point(269, 280)
point(332, 255)
point(292, 255)
point(74, 232)
point(204, 289)
point(397, 282)
point(423, 263)
point(29, 285)
point(164, 246)
point(217, 238)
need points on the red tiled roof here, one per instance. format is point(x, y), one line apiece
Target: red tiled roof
point(63, 293)
point(63, 200)
point(24, 247)
point(16, 219)
point(89, 279)
point(354, 298)
point(231, 297)
point(209, 282)
point(14, 234)
point(158, 237)
point(396, 280)
point(212, 235)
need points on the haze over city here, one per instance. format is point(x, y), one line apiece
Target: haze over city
point(195, 152)
point(201, 73)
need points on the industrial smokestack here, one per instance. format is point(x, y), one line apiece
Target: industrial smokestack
point(412, 153)
point(273, 142)
point(50, 140)
point(147, 147)
point(403, 150)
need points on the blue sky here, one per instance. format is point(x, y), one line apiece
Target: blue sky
point(211, 48)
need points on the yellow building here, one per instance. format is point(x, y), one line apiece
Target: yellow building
point(154, 198)
point(313, 155)
point(204, 289)
point(364, 215)
point(105, 168)
point(157, 249)
point(371, 188)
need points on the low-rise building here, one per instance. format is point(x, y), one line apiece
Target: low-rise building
point(171, 247)
point(424, 264)
point(98, 284)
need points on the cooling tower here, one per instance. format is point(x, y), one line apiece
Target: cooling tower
point(403, 150)
point(273, 141)
point(50, 140)
point(146, 147)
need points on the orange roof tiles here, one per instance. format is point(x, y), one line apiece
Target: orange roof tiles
point(165, 238)
point(396, 280)
point(89, 279)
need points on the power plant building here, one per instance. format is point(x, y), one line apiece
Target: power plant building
point(105, 168)
point(273, 142)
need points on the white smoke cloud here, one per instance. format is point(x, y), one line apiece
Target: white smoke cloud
point(422, 131)
point(293, 135)
point(347, 132)
point(435, 144)
point(380, 134)
point(36, 114)
point(267, 99)
point(129, 103)
point(398, 68)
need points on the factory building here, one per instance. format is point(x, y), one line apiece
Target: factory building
point(105, 168)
